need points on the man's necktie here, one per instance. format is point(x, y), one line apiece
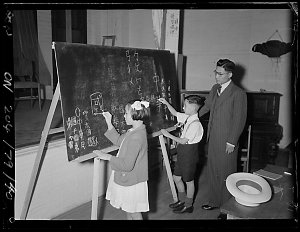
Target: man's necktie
point(219, 89)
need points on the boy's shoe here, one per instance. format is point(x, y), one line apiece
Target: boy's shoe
point(176, 204)
point(184, 209)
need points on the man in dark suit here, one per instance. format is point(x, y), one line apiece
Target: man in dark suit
point(227, 104)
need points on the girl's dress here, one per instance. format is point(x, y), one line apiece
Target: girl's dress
point(132, 198)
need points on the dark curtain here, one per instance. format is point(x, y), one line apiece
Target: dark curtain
point(25, 43)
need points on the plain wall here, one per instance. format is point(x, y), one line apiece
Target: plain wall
point(61, 185)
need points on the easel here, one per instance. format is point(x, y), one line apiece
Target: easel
point(94, 214)
point(38, 161)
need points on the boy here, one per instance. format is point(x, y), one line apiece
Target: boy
point(187, 152)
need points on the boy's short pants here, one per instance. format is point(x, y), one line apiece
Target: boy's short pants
point(187, 159)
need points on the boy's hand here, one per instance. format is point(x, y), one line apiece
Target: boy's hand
point(170, 107)
point(164, 132)
point(162, 100)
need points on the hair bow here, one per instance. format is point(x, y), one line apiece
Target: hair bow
point(137, 105)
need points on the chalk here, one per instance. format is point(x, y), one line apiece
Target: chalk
point(287, 173)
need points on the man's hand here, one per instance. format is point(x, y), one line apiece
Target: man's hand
point(229, 148)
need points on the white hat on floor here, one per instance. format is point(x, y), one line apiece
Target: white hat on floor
point(248, 189)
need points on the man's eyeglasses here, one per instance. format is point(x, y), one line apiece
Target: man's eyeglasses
point(218, 73)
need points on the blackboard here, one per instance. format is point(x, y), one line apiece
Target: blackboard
point(94, 78)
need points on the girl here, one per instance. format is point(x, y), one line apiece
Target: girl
point(127, 188)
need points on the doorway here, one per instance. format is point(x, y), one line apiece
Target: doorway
point(67, 26)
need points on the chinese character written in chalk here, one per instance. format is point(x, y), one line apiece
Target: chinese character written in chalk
point(96, 103)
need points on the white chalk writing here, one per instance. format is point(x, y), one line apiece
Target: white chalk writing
point(96, 103)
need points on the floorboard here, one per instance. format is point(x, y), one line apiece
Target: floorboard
point(160, 197)
point(29, 123)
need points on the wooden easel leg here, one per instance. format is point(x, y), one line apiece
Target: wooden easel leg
point(168, 168)
point(38, 162)
point(94, 215)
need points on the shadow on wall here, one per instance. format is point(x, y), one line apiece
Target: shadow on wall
point(239, 75)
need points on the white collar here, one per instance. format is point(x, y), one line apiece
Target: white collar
point(223, 86)
point(192, 118)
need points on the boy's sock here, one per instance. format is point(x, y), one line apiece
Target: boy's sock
point(181, 196)
point(188, 202)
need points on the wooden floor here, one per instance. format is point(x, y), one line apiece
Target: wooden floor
point(29, 123)
point(159, 198)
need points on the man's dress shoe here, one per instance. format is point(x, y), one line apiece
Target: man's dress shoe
point(176, 204)
point(183, 209)
point(208, 207)
point(222, 216)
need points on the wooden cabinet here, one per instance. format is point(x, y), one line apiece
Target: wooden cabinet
point(263, 107)
point(262, 114)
